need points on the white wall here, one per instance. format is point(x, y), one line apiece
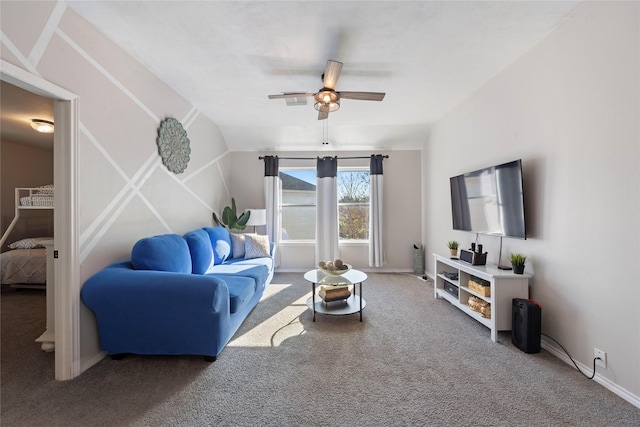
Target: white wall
point(125, 192)
point(570, 109)
point(402, 211)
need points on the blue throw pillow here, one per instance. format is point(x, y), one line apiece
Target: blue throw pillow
point(220, 242)
point(201, 251)
point(167, 252)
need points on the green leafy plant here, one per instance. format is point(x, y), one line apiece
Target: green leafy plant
point(230, 217)
point(452, 244)
point(517, 259)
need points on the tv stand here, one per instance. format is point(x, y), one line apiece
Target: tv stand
point(504, 286)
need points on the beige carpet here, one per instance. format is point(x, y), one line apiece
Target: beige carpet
point(413, 361)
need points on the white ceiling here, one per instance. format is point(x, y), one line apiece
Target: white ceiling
point(17, 108)
point(226, 57)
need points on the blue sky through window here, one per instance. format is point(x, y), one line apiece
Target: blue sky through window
point(303, 174)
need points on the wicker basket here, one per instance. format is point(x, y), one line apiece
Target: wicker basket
point(483, 290)
point(480, 306)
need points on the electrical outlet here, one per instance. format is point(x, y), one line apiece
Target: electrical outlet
point(602, 362)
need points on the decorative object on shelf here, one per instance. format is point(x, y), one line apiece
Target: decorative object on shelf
point(481, 306)
point(517, 262)
point(173, 145)
point(473, 257)
point(334, 268)
point(256, 217)
point(334, 293)
point(230, 218)
point(481, 286)
point(453, 248)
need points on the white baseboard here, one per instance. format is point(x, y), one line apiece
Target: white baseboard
point(605, 382)
point(86, 364)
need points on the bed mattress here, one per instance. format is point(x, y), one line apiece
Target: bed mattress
point(37, 200)
point(21, 266)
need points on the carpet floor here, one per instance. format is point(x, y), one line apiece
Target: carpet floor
point(412, 361)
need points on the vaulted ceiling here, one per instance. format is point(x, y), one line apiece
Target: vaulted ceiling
point(226, 57)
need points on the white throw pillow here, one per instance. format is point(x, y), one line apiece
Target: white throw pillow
point(237, 244)
point(256, 246)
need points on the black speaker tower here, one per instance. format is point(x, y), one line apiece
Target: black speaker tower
point(526, 325)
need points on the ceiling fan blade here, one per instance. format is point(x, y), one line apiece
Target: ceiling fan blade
point(363, 96)
point(331, 74)
point(291, 95)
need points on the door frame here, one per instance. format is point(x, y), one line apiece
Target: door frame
point(65, 217)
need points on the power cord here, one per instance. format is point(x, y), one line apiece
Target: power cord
point(574, 363)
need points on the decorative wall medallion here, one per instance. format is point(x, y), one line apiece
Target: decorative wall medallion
point(173, 145)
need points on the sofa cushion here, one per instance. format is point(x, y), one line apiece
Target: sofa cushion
point(166, 252)
point(256, 246)
point(201, 251)
point(266, 261)
point(258, 273)
point(241, 289)
point(220, 242)
point(237, 245)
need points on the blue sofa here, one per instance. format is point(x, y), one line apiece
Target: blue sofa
point(179, 294)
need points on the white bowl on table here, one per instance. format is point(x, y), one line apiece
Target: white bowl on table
point(336, 272)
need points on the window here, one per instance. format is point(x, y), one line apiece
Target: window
point(298, 206)
point(353, 204)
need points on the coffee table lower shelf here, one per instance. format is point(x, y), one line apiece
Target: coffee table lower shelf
point(342, 307)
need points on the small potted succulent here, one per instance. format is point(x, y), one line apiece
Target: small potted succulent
point(453, 248)
point(517, 262)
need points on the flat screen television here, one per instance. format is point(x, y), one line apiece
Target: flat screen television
point(490, 201)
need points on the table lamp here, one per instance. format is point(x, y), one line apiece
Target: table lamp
point(257, 217)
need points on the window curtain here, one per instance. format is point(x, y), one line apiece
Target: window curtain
point(272, 195)
point(327, 209)
point(376, 248)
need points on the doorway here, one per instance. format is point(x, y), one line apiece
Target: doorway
point(67, 269)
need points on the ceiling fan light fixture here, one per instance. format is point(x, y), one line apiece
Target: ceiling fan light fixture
point(43, 126)
point(326, 98)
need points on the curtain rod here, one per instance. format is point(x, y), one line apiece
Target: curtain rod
point(314, 158)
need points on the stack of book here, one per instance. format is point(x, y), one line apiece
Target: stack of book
point(334, 293)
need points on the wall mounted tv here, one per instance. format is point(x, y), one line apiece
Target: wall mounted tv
point(490, 201)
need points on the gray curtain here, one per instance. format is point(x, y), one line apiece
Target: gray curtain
point(272, 195)
point(327, 209)
point(376, 248)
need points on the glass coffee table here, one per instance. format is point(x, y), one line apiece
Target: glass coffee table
point(354, 304)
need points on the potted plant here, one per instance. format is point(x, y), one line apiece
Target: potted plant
point(453, 248)
point(517, 262)
point(230, 219)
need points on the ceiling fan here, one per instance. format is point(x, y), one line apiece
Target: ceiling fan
point(327, 100)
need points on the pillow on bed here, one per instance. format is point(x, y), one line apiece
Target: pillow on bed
point(30, 243)
point(45, 189)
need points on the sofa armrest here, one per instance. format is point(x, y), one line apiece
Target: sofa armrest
point(157, 312)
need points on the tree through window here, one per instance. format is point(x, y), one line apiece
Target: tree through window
point(298, 206)
point(353, 204)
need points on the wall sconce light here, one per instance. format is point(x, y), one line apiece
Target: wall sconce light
point(44, 126)
point(257, 217)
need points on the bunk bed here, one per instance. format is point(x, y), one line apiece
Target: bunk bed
point(24, 264)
